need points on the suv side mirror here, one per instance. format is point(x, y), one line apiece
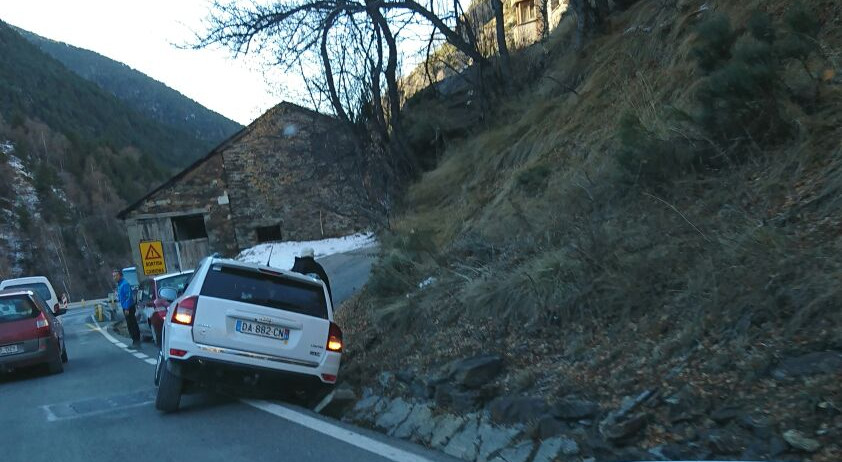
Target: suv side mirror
point(168, 293)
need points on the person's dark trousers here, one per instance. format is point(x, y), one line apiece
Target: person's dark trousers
point(131, 324)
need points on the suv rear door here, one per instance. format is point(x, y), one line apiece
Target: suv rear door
point(262, 311)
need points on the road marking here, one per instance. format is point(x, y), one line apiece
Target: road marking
point(326, 428)
point(337, 432)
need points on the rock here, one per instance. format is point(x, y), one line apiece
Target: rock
point(417, 389)
point(459, 400)
point(463, 444)
point(575, 409)
point(553, 447)
point(824, 362)
point(493, 439)
point(417, 417)
point(725, 442)
point(549, 427)
point(386, 380)
point(725, 414)
point(464, 400)
point(690, 451)
point(406, 376)
point(625, 429)
point(799, 441)
point(364, 409)
point(393, 416)
point(517, 409)
point(424, 433)
point(337, 402)
point(445, 429)
point(519, 453)
point(685, 406)
point(477, 371)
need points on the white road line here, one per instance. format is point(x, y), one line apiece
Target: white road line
point(121, 345)
point(337, 432)
point(139, 355)
point(151, 361)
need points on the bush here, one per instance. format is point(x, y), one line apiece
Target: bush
point(646, 158)
point(715, 38)
point(741, 97)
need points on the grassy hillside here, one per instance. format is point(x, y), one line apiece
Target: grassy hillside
point(34, 84)
point(140, 92)
point(659, 211)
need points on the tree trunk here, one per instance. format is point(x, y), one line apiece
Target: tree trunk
point(502, 47)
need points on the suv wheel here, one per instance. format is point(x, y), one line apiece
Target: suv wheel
point(169, 388)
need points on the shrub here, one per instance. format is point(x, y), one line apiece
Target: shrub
point(715, 38)
point(741, 97)
point(646, 158)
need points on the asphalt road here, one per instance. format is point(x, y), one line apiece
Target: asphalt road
point(101, 409)
point(348, 272)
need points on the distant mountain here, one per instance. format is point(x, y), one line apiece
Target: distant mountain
point(34, 84)
point(71, 156)
point(139, 91)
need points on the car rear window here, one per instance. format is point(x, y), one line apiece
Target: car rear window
point(38, 287)
point(265, 289)
point(17, 307)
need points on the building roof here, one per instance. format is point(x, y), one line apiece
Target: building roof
point(221, 147)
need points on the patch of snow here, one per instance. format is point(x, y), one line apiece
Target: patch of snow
point(25, 194)
point(283, 253)
point(7, 147)
point(427, 282)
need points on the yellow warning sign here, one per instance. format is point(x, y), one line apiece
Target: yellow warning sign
point(152, 254)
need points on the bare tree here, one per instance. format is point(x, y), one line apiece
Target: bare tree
point(590, 14)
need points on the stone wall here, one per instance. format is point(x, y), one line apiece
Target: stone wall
point(200, 190)
point(292, 169)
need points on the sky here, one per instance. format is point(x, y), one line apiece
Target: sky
point(142, 34)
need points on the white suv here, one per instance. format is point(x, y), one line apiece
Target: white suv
point(245, 325)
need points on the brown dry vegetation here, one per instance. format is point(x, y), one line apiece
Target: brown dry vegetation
point(544, 249)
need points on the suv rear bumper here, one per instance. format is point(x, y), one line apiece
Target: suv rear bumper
point(213, 373)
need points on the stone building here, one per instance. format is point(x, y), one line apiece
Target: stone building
point(284, 177)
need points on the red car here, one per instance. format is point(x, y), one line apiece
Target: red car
point(152, 308)
point(30, 333)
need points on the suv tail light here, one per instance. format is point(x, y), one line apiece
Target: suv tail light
point(334, 338)
point(42, 326)
point(185, 311)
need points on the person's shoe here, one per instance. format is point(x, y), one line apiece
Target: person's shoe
point(136, 344)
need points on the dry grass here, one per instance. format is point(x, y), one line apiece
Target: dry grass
point(541, 252)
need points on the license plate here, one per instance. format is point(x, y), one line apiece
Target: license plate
point(10, 349)
point(263, 330)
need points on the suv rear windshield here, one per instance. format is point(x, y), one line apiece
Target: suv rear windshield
point(17, 307)
point(38, 287)
point(263, 289)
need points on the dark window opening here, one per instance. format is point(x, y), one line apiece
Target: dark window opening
point(269, 234)
point(189, 227)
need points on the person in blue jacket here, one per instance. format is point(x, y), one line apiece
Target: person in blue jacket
point(127, 303)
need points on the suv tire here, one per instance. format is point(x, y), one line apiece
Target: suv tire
point(169, 390)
